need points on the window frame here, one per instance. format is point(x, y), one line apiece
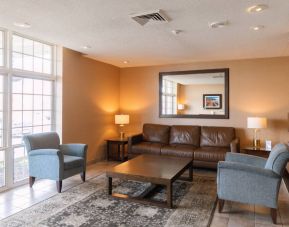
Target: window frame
point(8, 72)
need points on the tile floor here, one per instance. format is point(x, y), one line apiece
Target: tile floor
point(233, 215)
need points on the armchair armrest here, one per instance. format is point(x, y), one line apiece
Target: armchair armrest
point(246, 159)
point(235, 146)
point(74, 149)
point(45, 152)
point(249, 169)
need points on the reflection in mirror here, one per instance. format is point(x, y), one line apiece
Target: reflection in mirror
point(197, 94)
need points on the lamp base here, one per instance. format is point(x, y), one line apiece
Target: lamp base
point(256, 143)
point(122, 135)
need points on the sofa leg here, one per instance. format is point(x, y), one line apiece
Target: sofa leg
point(274, 215)
point(31, 181)
point(82, 175)
point(59, 186)
point(221, 204)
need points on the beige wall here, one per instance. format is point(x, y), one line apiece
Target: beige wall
point(192, 96)
point(90, 100)
point(258, 87)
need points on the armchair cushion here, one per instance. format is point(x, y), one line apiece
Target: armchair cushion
point(246, 159)
point(71, 162)
point(278, 158)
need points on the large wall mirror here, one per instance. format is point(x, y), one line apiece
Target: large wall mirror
point(194, 94)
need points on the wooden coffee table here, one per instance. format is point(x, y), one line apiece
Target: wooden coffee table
point(158, 170)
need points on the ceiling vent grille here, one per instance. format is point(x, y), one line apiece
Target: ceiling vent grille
point(144, 18)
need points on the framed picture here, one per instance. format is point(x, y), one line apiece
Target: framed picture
point(212, 101)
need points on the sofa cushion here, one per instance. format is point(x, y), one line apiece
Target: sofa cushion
point(211, 154)
point(146, 148)
point(178, 150)
point(71, 162)
point(185, 134)
point(156, 133)
point(217, 136)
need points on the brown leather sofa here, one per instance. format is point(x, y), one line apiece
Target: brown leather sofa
point(205, 144)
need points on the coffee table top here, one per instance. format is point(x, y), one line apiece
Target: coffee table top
point(151, 167)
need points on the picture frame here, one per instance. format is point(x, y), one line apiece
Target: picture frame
point(212, 101)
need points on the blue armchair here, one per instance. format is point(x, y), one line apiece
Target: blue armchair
point(250, 179)
point(48, 159)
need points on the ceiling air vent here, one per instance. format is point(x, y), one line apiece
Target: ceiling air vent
point(157, 15)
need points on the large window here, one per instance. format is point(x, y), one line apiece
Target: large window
point(1, 48)
point(26, 100)
point(31, 55)
point(169, 97)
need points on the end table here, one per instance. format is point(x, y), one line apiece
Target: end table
point(120, 142)
point(261, 152)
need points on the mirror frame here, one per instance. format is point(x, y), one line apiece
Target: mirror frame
point(203, 116)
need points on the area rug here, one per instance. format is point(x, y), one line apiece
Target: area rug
point(88, 204)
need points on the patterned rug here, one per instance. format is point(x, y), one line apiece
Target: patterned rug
point(88, 204)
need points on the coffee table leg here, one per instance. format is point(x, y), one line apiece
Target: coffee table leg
point(169, 195)
point(109, 185)
point(191, 172)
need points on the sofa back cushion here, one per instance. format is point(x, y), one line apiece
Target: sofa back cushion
point(185, 134)
point(217, 136)
point(156, 133)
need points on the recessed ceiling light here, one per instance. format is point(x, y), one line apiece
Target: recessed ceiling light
point(22, 25)
point(257, 28)
point(219, 24)
point(86, 47)
point(176, 31)
point(125, 62)
point(257, 8)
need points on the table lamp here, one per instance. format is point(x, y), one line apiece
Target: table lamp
point(121, 120)
point(181, 106)
point(256, 123)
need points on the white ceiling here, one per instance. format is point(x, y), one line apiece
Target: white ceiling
point(105, 25)
point(193, 79)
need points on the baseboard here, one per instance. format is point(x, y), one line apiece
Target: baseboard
point(91, 162)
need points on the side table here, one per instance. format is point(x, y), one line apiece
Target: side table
point(120, 142)
point(261, 152)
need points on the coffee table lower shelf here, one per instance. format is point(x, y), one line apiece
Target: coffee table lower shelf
point(144, 197)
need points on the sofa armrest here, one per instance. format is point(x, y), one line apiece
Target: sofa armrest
point(249, 169)
point(74, 149)
point(45, 152)
point(246, 159)
point(235, 145)
point(134, 139)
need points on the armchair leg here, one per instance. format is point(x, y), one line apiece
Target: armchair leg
point(31, 181)
point(59, 186)
point(221, 205)
point(82, 175)
point(274, 215)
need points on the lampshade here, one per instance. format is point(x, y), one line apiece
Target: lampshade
point(121, 119)
point(256, 122)
point(181, 106)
